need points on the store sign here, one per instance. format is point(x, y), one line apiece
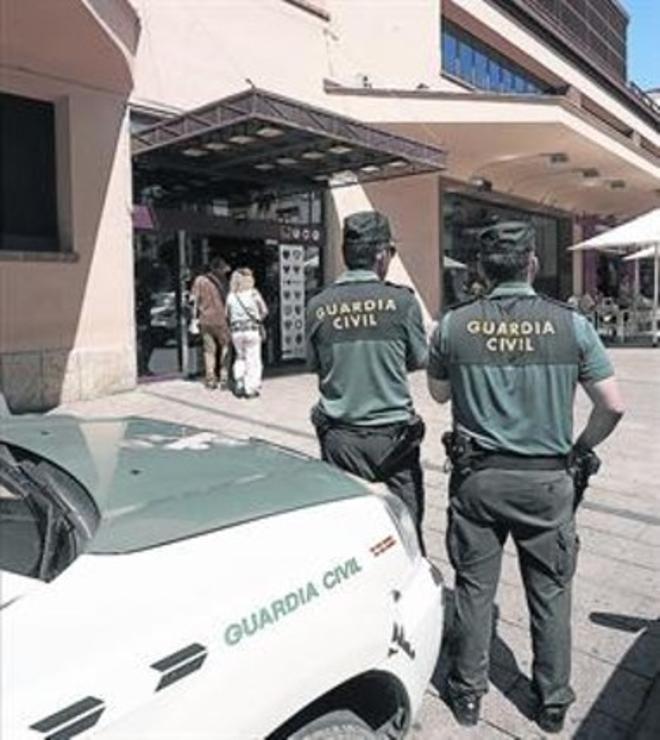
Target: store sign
point(305, 235)
point(292, 301)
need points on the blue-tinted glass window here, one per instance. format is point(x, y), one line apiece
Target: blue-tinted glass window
point(449, 51)
point(466, 57)
point(480, 69)
point(494, 74)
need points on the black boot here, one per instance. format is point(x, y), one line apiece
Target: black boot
point(551, 719)
point(465, 708)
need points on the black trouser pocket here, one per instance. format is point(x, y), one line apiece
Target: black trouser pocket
point(451, 540)
point(568, 546)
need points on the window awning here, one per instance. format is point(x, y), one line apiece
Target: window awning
point(256, 142)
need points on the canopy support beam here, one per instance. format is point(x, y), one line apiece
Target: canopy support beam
point(655, 294)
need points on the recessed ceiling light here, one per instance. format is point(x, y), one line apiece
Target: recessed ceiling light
point(312, 155)
point(558, 158)
point(398, 163)
point(368, 168)
point(286, 160)
point(617, 184)
point(241, 139)
point(264, 166)
point(343, 177)
point(590, 172)
point(269, 132)
point(194, 152)
point(481, 183)
point(340, 149)
point(216, 146)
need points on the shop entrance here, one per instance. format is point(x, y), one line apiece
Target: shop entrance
point(285, 256)
point(262, 257)
point(244, 177)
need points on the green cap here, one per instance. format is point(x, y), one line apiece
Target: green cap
point(502, 236)
point(367, 227)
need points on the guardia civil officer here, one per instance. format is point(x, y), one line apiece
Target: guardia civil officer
point(510, 362)
point(363, 336)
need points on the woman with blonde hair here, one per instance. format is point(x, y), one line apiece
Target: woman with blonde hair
point(246, 310)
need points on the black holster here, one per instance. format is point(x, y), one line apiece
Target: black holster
point(321, 421)
point(583, 463)
point(407, 439)
point(461, 452)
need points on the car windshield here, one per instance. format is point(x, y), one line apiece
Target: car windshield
point(44, 523)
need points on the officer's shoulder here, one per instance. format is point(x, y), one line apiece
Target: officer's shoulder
point(398, 286)
point(458, 305)
point(557, 302)
point(319, 297)
point(403, 293)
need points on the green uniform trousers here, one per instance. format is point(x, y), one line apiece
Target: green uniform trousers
point(536, 508)
point(357, 450)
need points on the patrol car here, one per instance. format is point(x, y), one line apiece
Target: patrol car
point(162, 581)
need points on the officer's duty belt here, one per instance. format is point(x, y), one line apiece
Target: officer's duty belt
point(509, 461)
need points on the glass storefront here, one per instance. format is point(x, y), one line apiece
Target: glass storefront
point(463, 218)
point(282, 245)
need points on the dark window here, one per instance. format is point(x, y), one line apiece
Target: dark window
point(464, 216)
point(582, 22)
point(46, 517)
point(466, 57)
point(28, 201)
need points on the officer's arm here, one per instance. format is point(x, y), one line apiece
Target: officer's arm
point(440, 390)
point(608, 408)
point(311, 355)
point(417, 350)
point(596, 376)
point(438, 367)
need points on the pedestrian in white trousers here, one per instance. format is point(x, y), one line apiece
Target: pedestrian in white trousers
point(246, 310)
point(247, 365)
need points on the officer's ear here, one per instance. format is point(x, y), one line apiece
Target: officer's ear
point(533, 266)
point(382, 263)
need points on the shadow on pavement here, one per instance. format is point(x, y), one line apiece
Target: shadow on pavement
point(504, 673)
point(618, 698)
point(614, 709)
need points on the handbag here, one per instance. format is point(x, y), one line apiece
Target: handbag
point(193, 324)
point(263, 334)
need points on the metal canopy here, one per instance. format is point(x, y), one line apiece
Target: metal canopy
point(256, 142)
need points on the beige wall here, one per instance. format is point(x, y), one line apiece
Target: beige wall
point(413, 209)
point(393, 44)
point(195, 52)
point(66, 327)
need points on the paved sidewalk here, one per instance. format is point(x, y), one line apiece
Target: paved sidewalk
point(617, 590)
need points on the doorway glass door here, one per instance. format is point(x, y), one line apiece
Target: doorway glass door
point(157, 301)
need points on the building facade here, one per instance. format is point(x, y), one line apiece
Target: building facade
point(528, 98)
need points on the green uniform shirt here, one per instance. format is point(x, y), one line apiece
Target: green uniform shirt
point(363, 335)
point(513, 360)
